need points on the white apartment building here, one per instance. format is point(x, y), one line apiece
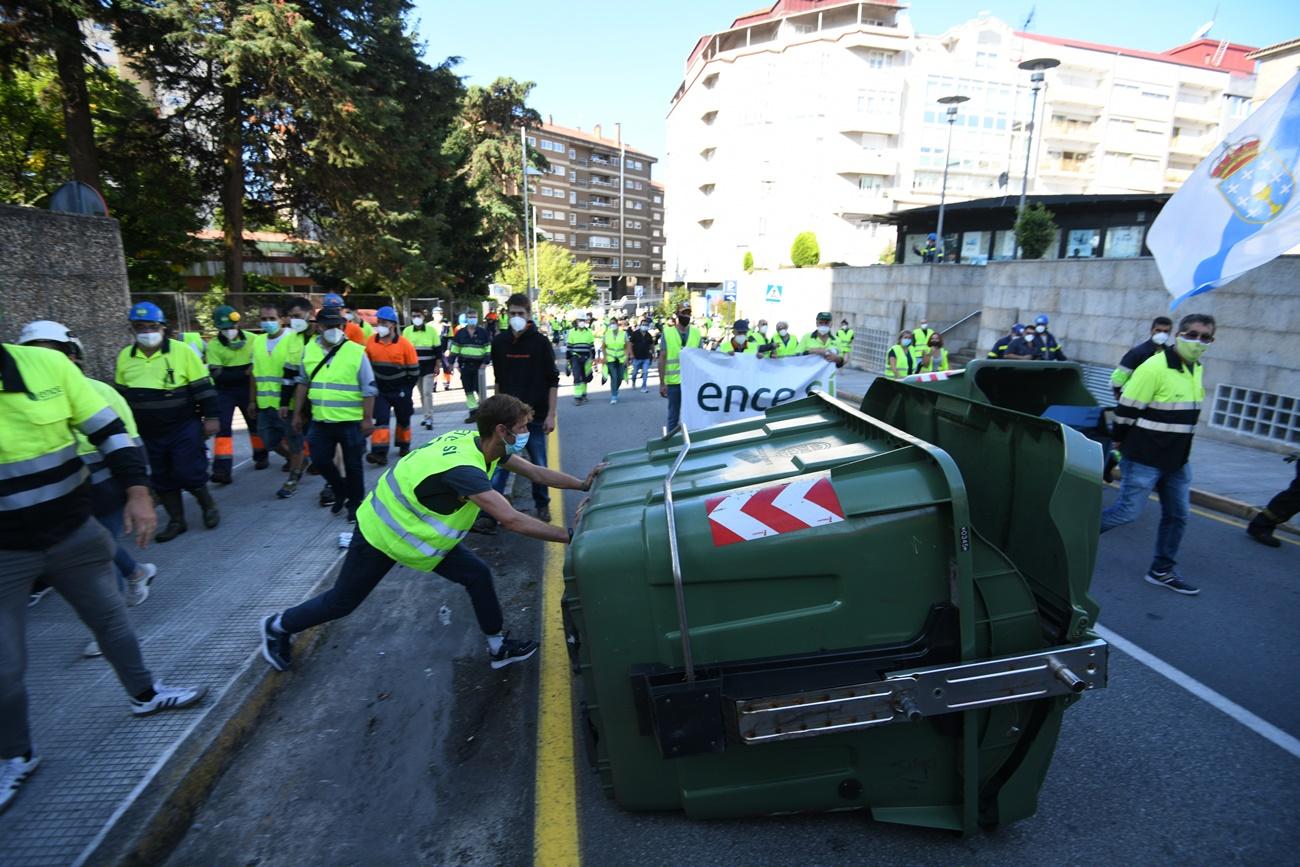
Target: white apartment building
point(818, 115)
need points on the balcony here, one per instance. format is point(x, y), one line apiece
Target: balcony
point(1210, 112)
point(1177, 176)
point(852, 160)
point(1067, 168)
point(612, 206)
point(1073, 94)
point(597, 181)
point(862, 121)
point(1196, 146)
point(1071, 132)
point(610, 163)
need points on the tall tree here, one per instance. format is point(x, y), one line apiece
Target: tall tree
point(562, 281)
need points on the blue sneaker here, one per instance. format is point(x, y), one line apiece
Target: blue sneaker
point(1171, 580)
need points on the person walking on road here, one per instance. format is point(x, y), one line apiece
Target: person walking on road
point(1154, 424)
point(524, 363)
point(676, 337)
point(613, 355)
point(175, 407)
point(397, 372)
point(580, 347)
point(471, 346)
point(230, 360)
point(1279, 510)
point(643, 350)
point(427, 340)
point(418, 514)
point(1160, 328)
point(46, 533)
point(336, 385)
point(276, 424)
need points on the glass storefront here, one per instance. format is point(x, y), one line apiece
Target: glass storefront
point(1123, 242)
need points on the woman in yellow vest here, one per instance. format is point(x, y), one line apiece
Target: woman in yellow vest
point(900, 360)
point(938, 356)
point(417, 515)
point(613, 354)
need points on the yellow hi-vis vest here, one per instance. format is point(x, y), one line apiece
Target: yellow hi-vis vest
point(268, 367)
point(88, 451)
point(673, 351)
point(393, 520)
point(334, 393)
point(726, 347)
point(615, 346)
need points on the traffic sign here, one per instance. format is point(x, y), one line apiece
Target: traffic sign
point(749, 515)
point(639, 291)
point(729, 290)
point(773, 293)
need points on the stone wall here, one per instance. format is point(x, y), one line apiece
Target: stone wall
point(68, 268)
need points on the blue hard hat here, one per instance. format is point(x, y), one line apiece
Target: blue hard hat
point(386, 313)
point(146, 311)
point(333, 299)
point(1040, 319)
point(1018, 328)
point(931, 237)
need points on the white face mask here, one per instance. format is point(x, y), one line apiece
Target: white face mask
point(925, 324)
point(1040, 328)
point(332, 336)
point(741, 339)
point(382, 330)
point(348, 316)
point(906, 341)
point(230, 333)
point(417, 320)
point(582, 325)
point(823, 329)
point(437, 317)
point(271, 326)
point(149, 339)
point(298, 325)
point(1160, 338)
point(518, 323)
point(784, 332)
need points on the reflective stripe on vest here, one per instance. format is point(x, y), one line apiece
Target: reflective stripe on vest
point(615, 346)
point(334, 392)
point(673, 349)
point(268, 369)
point(393, 520)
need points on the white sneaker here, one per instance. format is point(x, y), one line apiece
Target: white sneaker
point(13, 773)
point(92, 650)
point(613, 400)
point(645, 390)
point(168, 698)
point(137, 586)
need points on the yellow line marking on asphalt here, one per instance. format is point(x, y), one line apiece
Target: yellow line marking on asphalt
point(1229, 521)
point(555, 814)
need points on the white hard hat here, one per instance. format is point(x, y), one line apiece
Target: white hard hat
point(48, 329)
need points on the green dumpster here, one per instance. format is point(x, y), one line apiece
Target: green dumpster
point(821, 610)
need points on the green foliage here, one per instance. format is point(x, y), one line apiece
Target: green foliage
point(1034, 229)
point(673, 297)
point(888, 255)
point(805, 252)
point(149, 188)
point(748, 262)
point(561, 282)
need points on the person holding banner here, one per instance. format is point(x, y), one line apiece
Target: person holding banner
point(822, 342)
point(783, 345)
point(682, 335)
point(739, 341)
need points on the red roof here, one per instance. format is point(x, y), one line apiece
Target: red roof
point(1186, 55)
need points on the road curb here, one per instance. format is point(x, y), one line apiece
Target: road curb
point(160, 816)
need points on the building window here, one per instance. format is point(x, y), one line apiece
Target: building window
point(631, 224)
point(634, 164)
point(559, 237)
point(557, 170)
point(548, 214)
point(573, 197)
point(1083, 244)
point(1123, 242)
point(573, 155)
point(658, 215)
point(1264, 414)
point(548, 191)
point(656, 250)
point(573, 219)
point(600, 242)
point(879, 59)
point(634, 206)
point(656, 233)
point(658, 200)
point(532, 141)
point(1004, 245)
point(633, 264)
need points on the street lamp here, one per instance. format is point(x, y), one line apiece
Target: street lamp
point(952, 102)
point(1035, 68)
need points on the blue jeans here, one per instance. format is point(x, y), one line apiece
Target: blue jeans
point(674, 407)
point(122, 558)
point(323, 437)
point(1174, 489)
point(536, 451)
point(617, 370)
point(640, 366)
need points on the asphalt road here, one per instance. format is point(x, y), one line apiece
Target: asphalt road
point(396, 744)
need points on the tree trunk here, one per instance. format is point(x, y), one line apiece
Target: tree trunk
point(71, 64)
point(232, 192)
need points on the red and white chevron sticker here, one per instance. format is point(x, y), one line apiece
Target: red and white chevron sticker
point(749, 515)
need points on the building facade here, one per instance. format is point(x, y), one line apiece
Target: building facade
point(822, 115)
point(599, 201)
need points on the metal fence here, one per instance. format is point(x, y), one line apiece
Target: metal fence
point(869, 348)
point(192, 311)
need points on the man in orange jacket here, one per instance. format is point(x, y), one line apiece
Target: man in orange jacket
point(397, 372)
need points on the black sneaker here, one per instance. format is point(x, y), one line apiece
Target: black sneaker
point(1263, 536)
point(261, 463)
point(512, 651)
point(1171, 581)
point(38, 596)
point(327, 496)
point(277, 646)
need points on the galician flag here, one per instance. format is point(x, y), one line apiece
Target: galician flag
point(1239, 208)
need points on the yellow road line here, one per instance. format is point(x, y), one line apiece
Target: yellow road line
point(555, 814)
point(1223, 519)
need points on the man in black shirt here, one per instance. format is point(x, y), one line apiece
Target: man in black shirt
point(643, 350)
point(524, 364)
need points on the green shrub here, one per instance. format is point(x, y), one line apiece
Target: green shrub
point(1035, 228)
point(748, 262)
point(804, 252)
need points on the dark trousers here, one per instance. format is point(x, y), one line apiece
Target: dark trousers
point(223, 446)
point(176, 457)
point(388, 404)
point(322, 438)
point(365, 566)
point(1282, 507)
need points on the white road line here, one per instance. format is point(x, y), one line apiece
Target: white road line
point(1259, 726)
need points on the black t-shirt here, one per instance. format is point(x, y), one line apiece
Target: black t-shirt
point(525, 368)
point(642, 343)
point(447, 491)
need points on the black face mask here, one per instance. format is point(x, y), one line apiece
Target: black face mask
point(683, 320)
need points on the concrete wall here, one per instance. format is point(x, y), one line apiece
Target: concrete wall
point(68, 268)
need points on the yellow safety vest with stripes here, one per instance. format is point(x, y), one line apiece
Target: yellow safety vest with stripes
point(726, 347)
point(673, 347)
point(615, 346)
point(194, 340)
point(903, 362)
point(268, 367)
point(334, 392)
point(785, 347)
point(1157, 413)
point(393, 519)
point(88, 451)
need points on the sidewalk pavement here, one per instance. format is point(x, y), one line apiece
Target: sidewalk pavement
point(1235, 479)
point(111, 787)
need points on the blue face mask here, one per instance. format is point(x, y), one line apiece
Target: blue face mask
point(520, 443)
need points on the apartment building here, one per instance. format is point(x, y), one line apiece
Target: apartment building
point(823, 115)
point(599, 201)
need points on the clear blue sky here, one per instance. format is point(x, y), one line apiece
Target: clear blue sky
point(622, 61)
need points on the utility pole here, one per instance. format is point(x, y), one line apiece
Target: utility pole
point(622, 196)
point(1035, 68)
point(528, 229)
point(952, 102)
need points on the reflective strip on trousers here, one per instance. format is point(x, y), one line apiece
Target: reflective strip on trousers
point(45, 493)
point(32, 466)
point(381, 511)
point(438, 526)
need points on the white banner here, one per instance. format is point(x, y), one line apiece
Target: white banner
point(717, 387)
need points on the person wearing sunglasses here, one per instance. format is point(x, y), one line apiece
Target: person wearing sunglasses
point(1154, 424)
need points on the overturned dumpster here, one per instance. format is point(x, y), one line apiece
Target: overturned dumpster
point(824, 608)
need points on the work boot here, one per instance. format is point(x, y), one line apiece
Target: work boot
point(222, 476)
point(211, 517)
point(261, 463)
point(1261, 530)
point(171, 501)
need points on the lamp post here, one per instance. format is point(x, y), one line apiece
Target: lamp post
point(952, 102)
point(1035, 68)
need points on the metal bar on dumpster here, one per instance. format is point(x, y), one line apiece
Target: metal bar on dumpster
point(682, 624)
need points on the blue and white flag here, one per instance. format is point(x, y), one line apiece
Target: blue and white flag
point(1239, 208)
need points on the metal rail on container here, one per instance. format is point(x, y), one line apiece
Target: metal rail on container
point(688, 659)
